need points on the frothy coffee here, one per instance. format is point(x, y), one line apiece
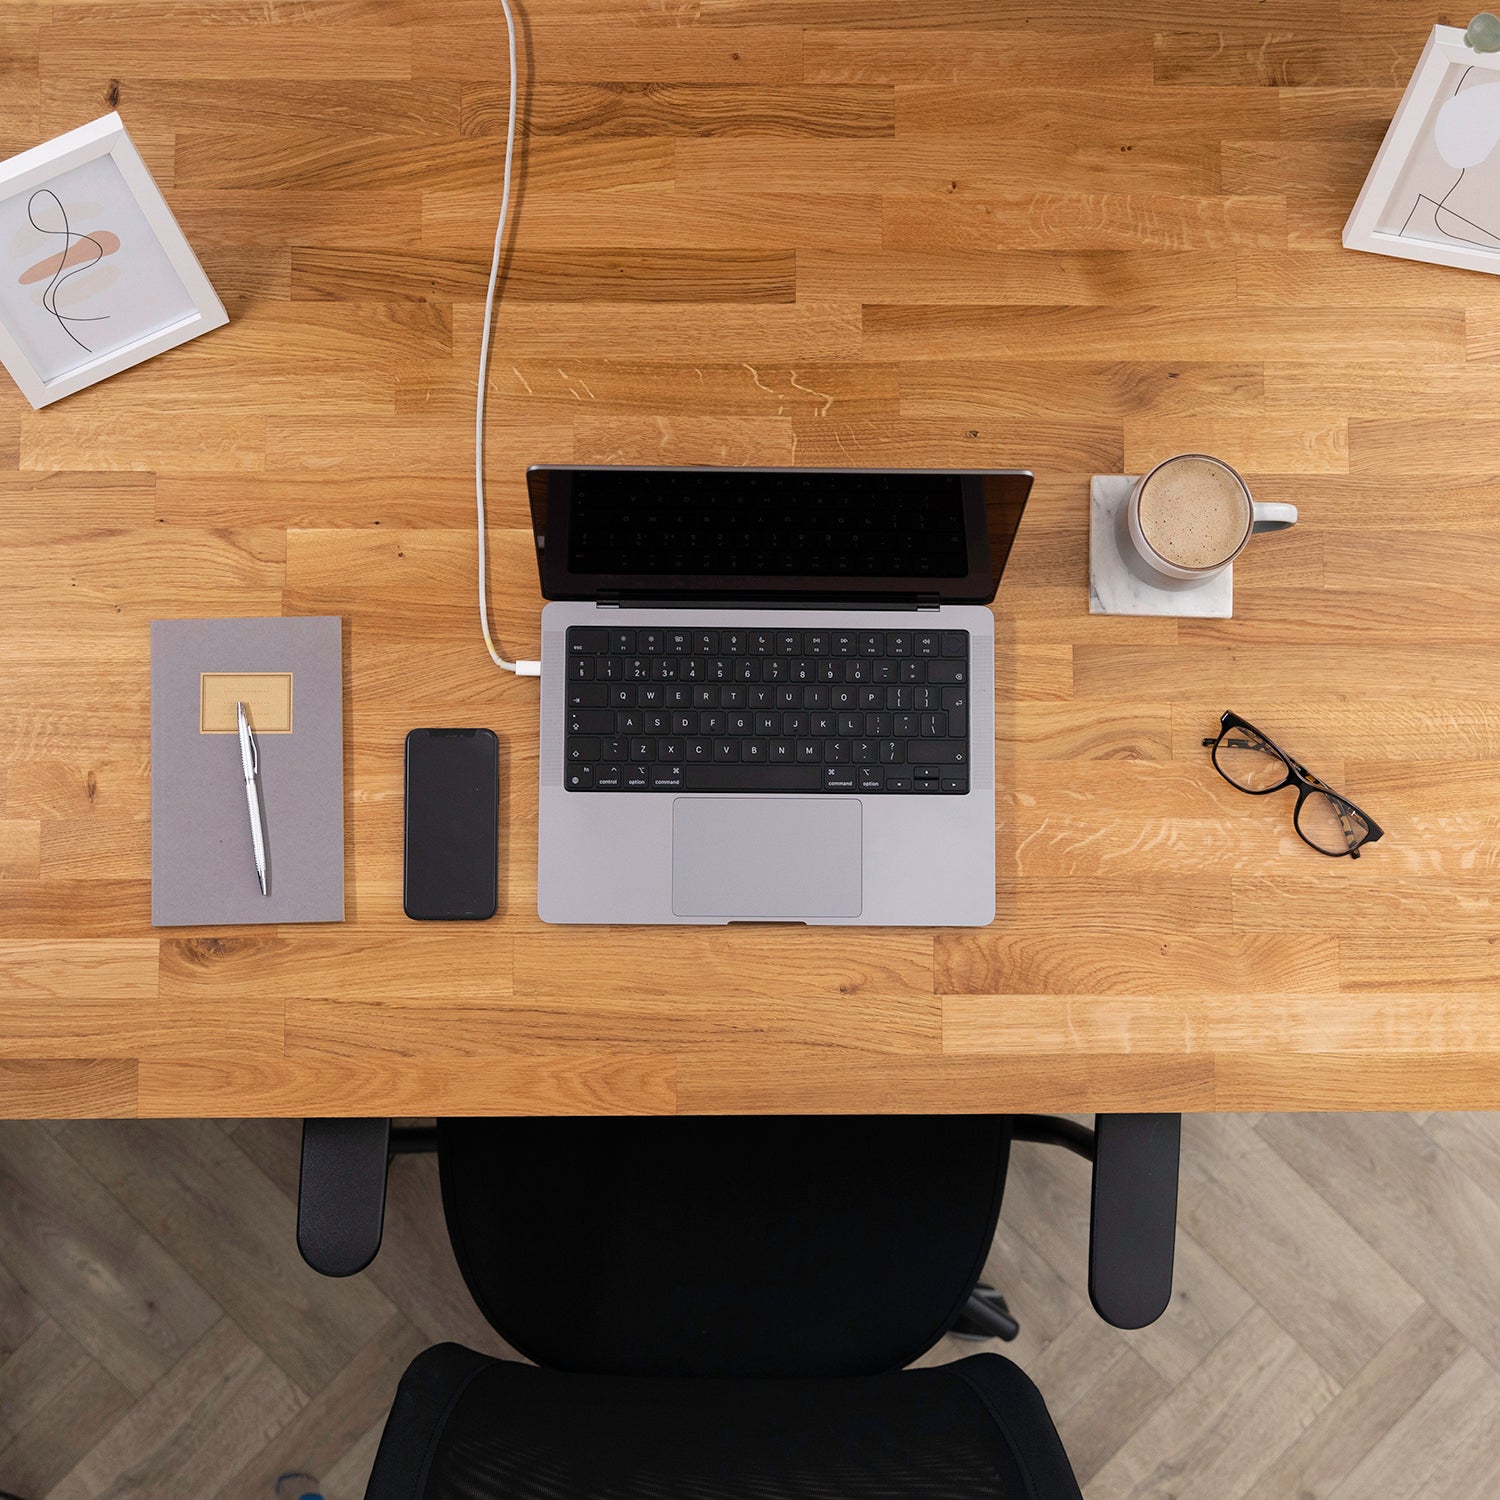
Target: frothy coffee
point(1194, 512)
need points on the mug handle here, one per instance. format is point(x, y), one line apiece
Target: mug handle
point(1272, 515)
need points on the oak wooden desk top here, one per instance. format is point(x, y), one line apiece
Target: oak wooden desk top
point(818, 231)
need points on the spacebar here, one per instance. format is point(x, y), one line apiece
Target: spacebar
point(752, 778)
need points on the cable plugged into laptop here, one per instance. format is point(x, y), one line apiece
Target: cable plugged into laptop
point(520, 668)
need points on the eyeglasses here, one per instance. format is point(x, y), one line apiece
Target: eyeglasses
point(1247, 759)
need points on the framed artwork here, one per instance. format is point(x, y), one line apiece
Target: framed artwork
point(95, 275)
point(1434, 191)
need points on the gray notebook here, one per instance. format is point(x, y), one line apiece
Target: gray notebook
point(289, 672)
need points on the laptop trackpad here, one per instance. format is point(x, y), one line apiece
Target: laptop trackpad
point(767, 857)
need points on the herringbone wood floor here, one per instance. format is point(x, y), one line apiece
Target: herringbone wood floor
point(1335, 1333)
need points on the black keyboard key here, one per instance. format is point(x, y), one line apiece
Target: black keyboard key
point(810, 751)
point(926, 786)
point(915, 671)
point(956, 703)
point(789, 642)
point(851, 724)
point(580, 779)
point(767, 778)
point(642, 749)
point(839, 778)
point(898, 643)
point(938, 752)
point(865, 752)
point(588, 642)
point(699, 750)
point(649, 641)
point(591, 721)
point(934, 726)
point(726, 750)
point(669, 749)
point(622, 642)
point(753, 752)
point(871, 779)
point(637, 778)
point(705, 697)
point(836, 752)
point(869, 643)
point(608, 778)
point(666, 778)
point(588, 695)
point(947, 671)
point(581, 670)
point(927, 643)
point(780, 752)
point(583, 749)
point(706, 642)
point(955, 643)
point(955, 783)
point(680, 641)
point(627, 695)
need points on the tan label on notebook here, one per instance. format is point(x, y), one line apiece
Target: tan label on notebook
point(267, 697)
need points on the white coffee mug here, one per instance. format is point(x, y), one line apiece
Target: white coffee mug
point(1260, 515)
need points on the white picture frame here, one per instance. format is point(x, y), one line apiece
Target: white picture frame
point(1434, 150)
point(140, 275)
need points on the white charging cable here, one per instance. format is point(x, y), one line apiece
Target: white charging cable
point(520, 668)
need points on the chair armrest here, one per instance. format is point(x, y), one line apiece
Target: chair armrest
point(341, 1195)
point(1133, 1225)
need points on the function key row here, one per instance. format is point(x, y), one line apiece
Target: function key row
point(764, 669)
point(599, 641)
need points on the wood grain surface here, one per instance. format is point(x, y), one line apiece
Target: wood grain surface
point(808, 231)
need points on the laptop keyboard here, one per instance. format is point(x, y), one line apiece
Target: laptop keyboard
point(757, 710)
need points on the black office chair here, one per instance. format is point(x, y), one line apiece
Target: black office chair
point(723, 1306)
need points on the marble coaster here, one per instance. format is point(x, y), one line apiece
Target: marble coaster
point(1121, 584)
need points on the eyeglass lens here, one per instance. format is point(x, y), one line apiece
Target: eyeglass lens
point(1330, 825)
point(1248, 761)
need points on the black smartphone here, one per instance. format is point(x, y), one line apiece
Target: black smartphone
point(452, 824)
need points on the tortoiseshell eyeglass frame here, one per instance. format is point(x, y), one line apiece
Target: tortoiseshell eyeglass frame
point(1299, 776)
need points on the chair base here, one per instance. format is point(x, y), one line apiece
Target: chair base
point(986, 1315)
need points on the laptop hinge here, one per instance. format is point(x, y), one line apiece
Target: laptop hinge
point(916, 601)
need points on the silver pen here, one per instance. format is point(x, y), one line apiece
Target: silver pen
point(250, 761)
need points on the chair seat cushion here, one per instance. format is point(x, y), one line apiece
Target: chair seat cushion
point(465, 1427)
point(723, 1246)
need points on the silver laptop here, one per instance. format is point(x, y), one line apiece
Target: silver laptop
point(768, 694)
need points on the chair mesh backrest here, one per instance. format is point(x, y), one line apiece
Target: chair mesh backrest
point(974, 1431)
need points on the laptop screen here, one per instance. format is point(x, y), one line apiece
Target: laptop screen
point(774, 534)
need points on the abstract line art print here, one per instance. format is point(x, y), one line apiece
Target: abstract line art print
point(1449, 191)
point(82, 272)
point(78, 253)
